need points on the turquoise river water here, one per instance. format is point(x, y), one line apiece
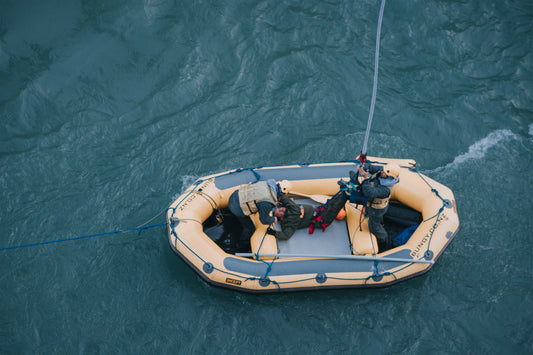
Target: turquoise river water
point(109, 109)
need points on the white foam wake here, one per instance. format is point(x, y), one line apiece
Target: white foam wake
point(479, 149)
point(186, 182)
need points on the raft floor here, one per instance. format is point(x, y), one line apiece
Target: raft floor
point(334, 241)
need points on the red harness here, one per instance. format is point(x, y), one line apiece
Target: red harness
point(317, 221)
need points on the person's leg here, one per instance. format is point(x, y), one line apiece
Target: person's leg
point(375, 224)
point(248, 227)
point(333, 207)
point(241, 242)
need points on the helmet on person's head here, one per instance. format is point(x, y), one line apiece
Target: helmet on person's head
point(392, 170)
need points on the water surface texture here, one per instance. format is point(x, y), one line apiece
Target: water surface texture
point(109, 109)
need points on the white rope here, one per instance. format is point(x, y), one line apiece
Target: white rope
point(374, 91)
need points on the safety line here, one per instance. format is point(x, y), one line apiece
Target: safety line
point(375, 87)
point(140, 229)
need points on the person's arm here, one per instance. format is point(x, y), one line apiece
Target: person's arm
point(284, 234)
point(374, 192)
point(290, 221)
point(286, 201)
point(367, 170)
point(372, 169)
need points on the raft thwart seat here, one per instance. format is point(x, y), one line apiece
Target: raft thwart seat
point(261, 242)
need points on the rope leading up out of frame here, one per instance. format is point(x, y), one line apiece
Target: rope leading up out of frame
point(362, 156)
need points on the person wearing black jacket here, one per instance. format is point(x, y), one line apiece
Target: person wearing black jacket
point(292, 216)
point(377, 187)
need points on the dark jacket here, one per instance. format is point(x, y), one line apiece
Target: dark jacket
point(372, 188)
point(292, 221)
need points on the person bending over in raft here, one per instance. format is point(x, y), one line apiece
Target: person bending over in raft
point(293, 216)
point(377, 188)
point(260, 197)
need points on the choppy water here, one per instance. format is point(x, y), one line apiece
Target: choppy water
point(108, 109)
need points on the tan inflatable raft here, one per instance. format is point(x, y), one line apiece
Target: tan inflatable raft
point(345, 255)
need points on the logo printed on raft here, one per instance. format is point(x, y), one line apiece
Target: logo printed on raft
point(421, 243)
point(233, 281)
point(192, 196)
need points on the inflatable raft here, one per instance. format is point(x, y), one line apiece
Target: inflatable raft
point(345, 255)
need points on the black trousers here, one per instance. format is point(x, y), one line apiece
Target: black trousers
point(332, 207)
point(375, 224)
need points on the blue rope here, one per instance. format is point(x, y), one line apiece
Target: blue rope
point(378, 274)
point(269, 267)
point(261, 245)
point(140, 229)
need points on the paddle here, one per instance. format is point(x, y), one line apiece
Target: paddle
point(318, 198)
